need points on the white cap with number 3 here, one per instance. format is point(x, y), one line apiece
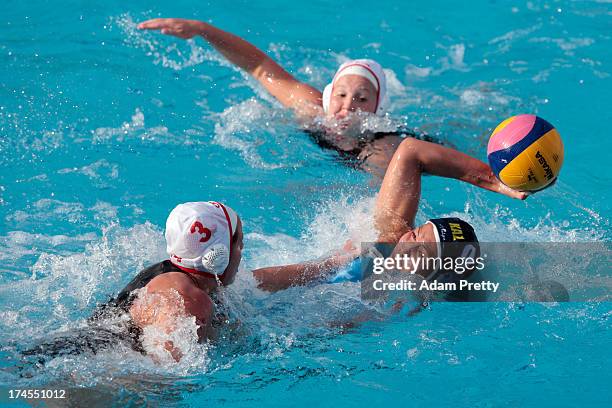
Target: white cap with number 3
point(199, 236)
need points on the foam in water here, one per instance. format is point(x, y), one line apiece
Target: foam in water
point(504, 42)
point(452, 61)
point(275, 323)
point(566, 45)
point(135, 128)
point(484, 94)
point(97, 171)
point(336, 221)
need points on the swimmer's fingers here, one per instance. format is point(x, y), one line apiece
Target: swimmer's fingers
point(351, 248)
point(526, 194)
point(507, 191)
point(177, 27)
point(154, 24)
point(520, 195)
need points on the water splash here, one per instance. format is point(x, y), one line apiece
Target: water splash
point(173, 56)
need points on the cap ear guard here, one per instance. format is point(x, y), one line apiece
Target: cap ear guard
point(437, 235)
point(216, 259)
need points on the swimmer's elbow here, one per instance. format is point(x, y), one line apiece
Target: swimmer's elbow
point(409, 152)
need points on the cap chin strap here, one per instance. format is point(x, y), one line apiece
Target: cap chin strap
point(326, 97)
point(217, 258)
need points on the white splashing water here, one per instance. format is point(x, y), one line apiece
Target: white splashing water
point(135, 128)
point(168, 56)
point(240, 127)
point(167, 311)
point(63, 286)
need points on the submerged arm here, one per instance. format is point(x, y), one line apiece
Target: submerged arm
point(276, 80)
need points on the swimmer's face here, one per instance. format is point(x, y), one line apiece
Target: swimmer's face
point(235, 256)
point(418, 243)
point(421, 240)
point(351, 93)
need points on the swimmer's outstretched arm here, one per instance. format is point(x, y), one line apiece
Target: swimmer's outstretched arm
point(399, 196)
point(276, 278)
point(282, 85)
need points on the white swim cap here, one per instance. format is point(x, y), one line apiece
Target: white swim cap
point(199, 236)
point(367, 68)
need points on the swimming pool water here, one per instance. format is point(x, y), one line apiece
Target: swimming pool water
point(104, 129)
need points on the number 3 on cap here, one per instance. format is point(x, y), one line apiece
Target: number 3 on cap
point(201, 230)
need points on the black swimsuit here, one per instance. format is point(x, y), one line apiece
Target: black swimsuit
point(123, 301)
point(97, 335)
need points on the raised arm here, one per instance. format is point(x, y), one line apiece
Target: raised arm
point(282, 85)
point(396, 205)
point(398, 199)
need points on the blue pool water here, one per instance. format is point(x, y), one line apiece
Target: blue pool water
point(104, 129)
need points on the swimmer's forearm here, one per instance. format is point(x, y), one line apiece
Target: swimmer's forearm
point(277, 278)
point(399, 195)
point(290, 92)
point(455, 164)
point(237, 50)
point(446, 162)
point(304, 99)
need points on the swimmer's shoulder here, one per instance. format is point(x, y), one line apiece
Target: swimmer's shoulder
point(197, 302)
point(181, 283)
point(175, 279)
